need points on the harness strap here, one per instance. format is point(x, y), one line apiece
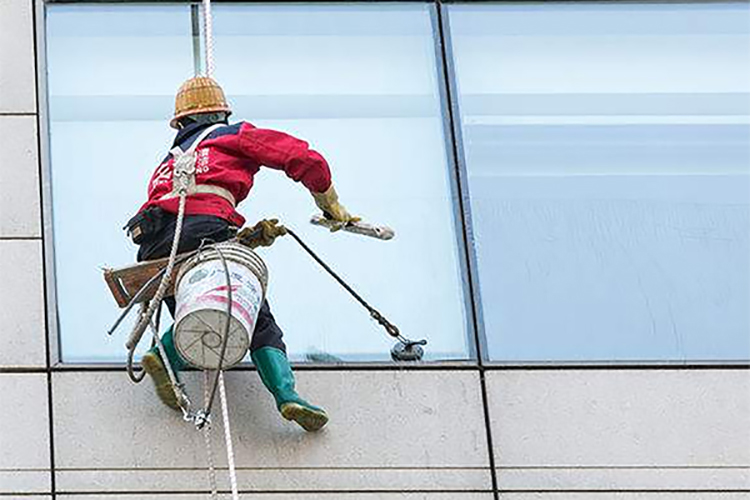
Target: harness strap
point(206, 189)
point(184, 172)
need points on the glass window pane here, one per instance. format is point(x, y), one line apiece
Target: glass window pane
point(360, 84)
point(608, 158)
point(357, 82)
point(112, 74)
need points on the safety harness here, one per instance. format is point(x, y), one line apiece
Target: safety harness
point(184, 170)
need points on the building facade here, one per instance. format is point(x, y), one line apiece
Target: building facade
point(569, 187)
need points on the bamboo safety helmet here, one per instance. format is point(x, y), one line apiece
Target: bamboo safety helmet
point(199, 95)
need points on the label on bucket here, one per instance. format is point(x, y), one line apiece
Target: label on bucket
point(205, 287)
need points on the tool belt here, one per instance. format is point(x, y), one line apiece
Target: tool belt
point(146, 224)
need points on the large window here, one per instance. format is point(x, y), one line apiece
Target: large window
point(358, 82)
point(602, 153)
point(607, 149)
point(112, 73)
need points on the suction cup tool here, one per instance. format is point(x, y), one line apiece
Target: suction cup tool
point(408, 351)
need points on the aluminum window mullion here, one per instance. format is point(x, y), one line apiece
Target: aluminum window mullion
point(195, 29)
point(459, 178)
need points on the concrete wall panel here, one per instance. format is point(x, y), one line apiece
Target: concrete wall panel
point(17, 82)
point(19, 174)
point(28, 497)
point(24, 434)
point(22, 304)
point(625, 478)
point(390, 430)
point(621, 429)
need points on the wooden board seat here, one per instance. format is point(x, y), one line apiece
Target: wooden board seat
point(124, 282)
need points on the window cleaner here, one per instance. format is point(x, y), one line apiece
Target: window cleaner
point(205, 211)
point(203, 335)
point(192, 197)
point(226, 158)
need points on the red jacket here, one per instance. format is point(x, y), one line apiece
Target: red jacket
point(229, 157)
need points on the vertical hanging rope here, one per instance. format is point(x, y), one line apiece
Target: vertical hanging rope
point(207, 441)
point(209, 44)
point(228, 438)
point(208, 37)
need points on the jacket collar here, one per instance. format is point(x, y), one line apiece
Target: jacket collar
point(186, 136)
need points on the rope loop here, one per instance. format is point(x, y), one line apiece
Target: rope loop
point(389, 327)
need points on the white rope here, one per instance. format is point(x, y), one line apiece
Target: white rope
point(208, 37)
point(228, 437)
point(145, 320)
point(209, 44)
point(207, 439)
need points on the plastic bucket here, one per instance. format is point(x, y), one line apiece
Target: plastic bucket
point(200, 316)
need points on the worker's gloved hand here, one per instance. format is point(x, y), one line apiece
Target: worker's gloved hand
point(262, 234)
point(328, 202)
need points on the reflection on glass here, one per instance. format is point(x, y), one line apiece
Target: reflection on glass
point(358, 83)
point(608, 157)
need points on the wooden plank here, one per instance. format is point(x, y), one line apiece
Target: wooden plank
point(125, 282)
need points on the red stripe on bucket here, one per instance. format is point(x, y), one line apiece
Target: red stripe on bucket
point(235, 306)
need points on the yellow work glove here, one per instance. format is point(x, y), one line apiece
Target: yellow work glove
point(262, 234)
point(328, 202)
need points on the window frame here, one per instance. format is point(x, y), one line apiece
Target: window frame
point(458, 174)
point(51, 303)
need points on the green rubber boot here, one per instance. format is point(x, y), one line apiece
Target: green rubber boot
point(154, 366)
point(276, 374)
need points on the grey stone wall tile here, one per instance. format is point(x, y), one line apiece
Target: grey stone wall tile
point(20, 481)
point(625, 479)
point(24, 434)
point(621, 429)
point(645, 417)
point(22, 304)
point(275, 479)
point(19, 176)
point(28, 497)
point(414, 430)
point(17, 81)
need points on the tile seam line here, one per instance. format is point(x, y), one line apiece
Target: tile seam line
point(24, 469)
point(263, 492)
point(394, 469)
point(26, 494)
point(131, 470)
point(627, 490)
point(62, 368)
point(19, 370)
point(441, 36)
point(36, 18)
point(625, 467)
point(83, 367)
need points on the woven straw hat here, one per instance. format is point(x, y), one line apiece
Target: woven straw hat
point(197, 96)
